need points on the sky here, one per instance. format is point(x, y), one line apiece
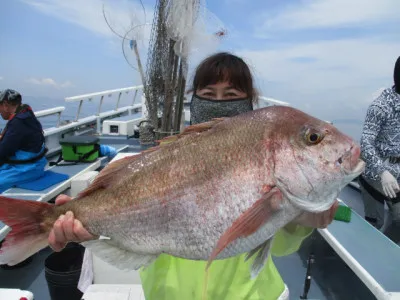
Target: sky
point(326, 57)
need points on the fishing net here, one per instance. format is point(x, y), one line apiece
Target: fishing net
point(147, 133)
point(180, 17)
point(179, 30)
point(122, 16)
point(204, 37)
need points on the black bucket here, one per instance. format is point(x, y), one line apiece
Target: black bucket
point(62, 271)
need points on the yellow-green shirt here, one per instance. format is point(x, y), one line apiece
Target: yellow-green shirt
point(171, 278)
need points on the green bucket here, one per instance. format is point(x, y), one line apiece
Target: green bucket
point(80, 148)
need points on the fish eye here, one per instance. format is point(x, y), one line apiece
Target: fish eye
point(313, 137)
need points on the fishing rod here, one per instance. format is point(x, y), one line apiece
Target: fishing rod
point(307, 281)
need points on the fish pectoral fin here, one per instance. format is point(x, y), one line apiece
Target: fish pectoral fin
point(118, 257)
point(250, 221)
point(262, 255)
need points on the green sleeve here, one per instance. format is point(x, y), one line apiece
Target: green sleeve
point(288, 240)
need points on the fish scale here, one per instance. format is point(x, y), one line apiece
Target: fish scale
point(217, 190)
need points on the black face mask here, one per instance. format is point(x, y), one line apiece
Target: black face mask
point(203, 110)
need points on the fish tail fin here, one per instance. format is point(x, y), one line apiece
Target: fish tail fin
point(29, 229)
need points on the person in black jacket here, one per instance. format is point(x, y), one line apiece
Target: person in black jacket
point(22, 144)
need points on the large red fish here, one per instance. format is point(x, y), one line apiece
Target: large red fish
point(219, 189)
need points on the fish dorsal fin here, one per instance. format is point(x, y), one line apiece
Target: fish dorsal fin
point(250, 221)
point(107, 176)
point(202, 126)
point(192, 129)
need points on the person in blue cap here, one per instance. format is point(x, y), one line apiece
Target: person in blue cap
point(22, 143)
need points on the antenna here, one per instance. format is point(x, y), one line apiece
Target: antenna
point(133, 45)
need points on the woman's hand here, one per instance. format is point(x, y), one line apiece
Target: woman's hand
point(317, 220)
point(67, 228)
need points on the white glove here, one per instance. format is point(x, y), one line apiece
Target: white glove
point(389, 184)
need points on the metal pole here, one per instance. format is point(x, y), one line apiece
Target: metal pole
point(100, 104)
point(135, 48)
point(134, 97)
point(119, 98)
point(98, 125)
point(79, 111)
point(179, 97)
point(59, 119)
point(307, 281)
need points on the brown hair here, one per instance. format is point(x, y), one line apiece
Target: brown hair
point(224, 66)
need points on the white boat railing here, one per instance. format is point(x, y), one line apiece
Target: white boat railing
point(272, 101)
point(108, 93)
point(83, 125)
point(51, 111)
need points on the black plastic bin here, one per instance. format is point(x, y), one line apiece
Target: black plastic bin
point(62, 272)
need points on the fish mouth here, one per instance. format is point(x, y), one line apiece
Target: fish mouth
point(357, 170)
point(350, 162)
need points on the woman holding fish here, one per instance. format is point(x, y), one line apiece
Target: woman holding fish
point(222, 87)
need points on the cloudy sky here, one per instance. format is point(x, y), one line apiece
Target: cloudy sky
point(327, 57)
